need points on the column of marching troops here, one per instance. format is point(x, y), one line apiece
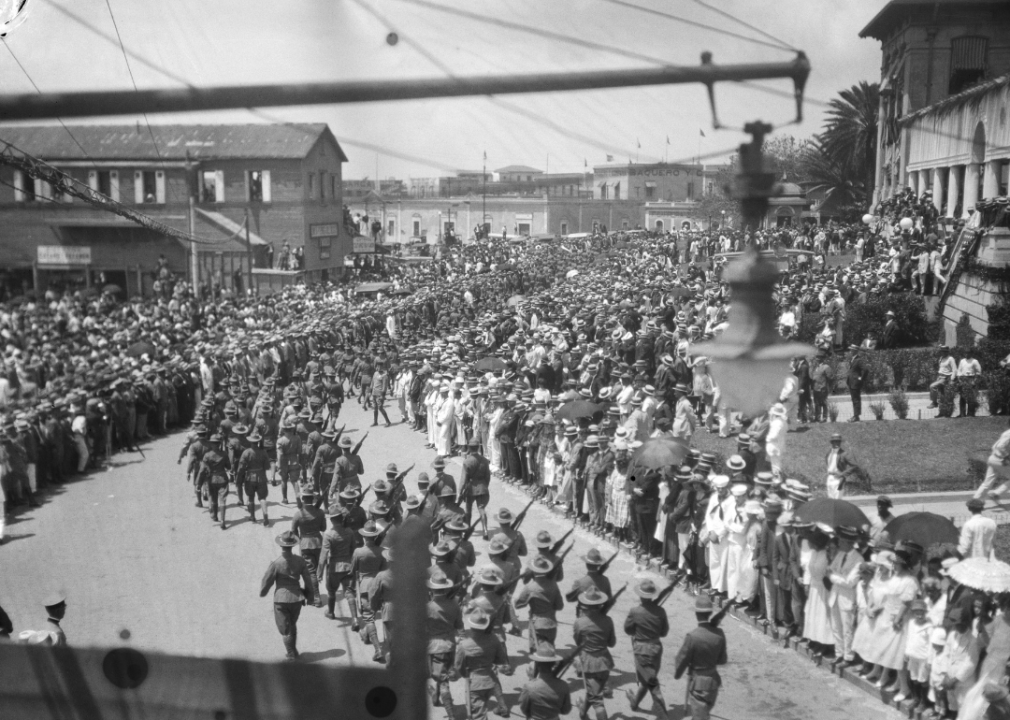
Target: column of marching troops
point(290, 437)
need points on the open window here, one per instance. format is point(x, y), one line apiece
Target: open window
point(212, 186)
point(257, 185)
point(24, 187)
point(967, 62)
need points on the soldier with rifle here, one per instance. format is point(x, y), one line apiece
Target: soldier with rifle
point(323, 464)
point(251, 474)
point(594, 633)
point(508, 524)
point(459, 533)
point(443, 554)
point(197, 449)
point(353, 454)
point(448, 509)
point(477, 656)
point(475, 483)
point(544, 600)
point(289, 450)
point(366, 563)
point(381, 600)
point(308, 524)
point(234, 446)
point(548, 548)
point(429, 506)
point(546, 696)
point(445, 622)
point(704, 649)
point(350, 500)
point(442, 478)
point(214, 470)
point(335, 563)
point(595, 577)
point(647, 625)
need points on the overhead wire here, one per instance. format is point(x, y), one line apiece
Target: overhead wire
point(734, 18)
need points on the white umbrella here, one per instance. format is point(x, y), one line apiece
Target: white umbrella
point(982, 574)
point(571, 273)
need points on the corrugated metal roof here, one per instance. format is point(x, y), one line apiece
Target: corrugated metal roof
point(173, 142)
point(518, 168)
point(959, 100)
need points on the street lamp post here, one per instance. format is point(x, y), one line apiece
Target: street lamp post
point(194, 261)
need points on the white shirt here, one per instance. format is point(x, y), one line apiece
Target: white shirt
point(969, 367)
point(976, 537)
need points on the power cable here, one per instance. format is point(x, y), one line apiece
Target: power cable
point(759, 31)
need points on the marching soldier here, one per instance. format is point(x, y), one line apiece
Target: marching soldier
point(349, 499)
point(593, 579)
point(647, 625)
point(448, 510)
point(214, 469)
point(335, 563)
point(366, 563)
point(594, 632)
point(474, 483)
point(517, 541)
point(704, 649)
point(290, 573)
point(252, 475)
point(381, 600)
point(546, 696)
point(289, 450)
point(197, 449)
point(477, 655)
point(465, 555)
point(442, 478)
point(443, 554)
point(429, 509)
point(445, 621)
point(308, 524)
point(544, 600)
point(235, 445)
point(323, 463)
point(544, 543)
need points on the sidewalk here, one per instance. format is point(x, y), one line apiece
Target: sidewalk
point(947, 504)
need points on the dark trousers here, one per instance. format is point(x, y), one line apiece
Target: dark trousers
point(857, 402)
point(820, 405)
point(805, 404)
point(286, 616)
point(645, 518)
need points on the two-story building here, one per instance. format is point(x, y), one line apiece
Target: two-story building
point(254, 189)
point(651, 182)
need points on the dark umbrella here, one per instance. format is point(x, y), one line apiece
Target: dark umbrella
point(924, 528)
point(140, 348)
point(490, 364)
point(660, 452)
point(402, 291)
point(112, 289)
point(832, 512)
point(576, 409)
point(506, 266)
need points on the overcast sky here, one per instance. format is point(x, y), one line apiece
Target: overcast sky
point(226, 42)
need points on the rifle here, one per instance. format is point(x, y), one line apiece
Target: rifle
point(397, 484)
point(607, 606)
point(469, 533)
point(354, 450)
point(561, 559)
point(561, 666)
point(361, 497)
point(605, 566)
point(560, 543)
point(716, 618)
point(339, 433)
point(661, 598)
point(522, 515)
point(505, 590)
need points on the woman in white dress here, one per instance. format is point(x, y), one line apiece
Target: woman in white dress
point(866, 590)
point(494, 425)
point(816, 615)
point(550, 434)
point(890, 639)
point(618, 515)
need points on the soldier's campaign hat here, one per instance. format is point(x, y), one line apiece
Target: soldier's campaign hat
point(422, 481)
point(381, 486)
point(350, 493)
point(287, 539)
point(370, 529)
point(593, 557)
point(441, 549)
point(478, 620)
point(254, 437)
point(201, 431)
point(438, 581)
point(288, 424)
point(505, 516)
point(240, 430)
point(307, 491)
point(647, 589)
point(439, 463)
point(391, 469)
point(545, 656)
point(490, 576)
point(215, 438)
point(592, 596)
point(378, 507)
point(345, 442)
point(413, 502)
point(329, 434)
point(541, 565)
point(544, 539)
point(703, 604)
point(336, 511)
point(456, 525)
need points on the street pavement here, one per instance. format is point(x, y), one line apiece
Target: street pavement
point(141, 566)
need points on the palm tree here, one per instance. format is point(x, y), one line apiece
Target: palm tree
point(841, 185)
point(850, 131)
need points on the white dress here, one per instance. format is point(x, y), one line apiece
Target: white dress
point(890, 643)
point(736, 540)
point(747, 584)
point(816, 616)
point(495, 446)
point(867, 598)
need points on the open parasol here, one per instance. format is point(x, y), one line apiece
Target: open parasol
point(571, 273)
point(832, 513)
point(112, 289)
point(660, 452)
point(490, 364)
point(924, 528)
point(576, 409)
point(515, 300)
point(140, 348)
point(982, 574)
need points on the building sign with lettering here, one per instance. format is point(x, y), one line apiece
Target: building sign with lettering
point(325, 230)
point(648, 170)
point(362, 244)
point(64, 255)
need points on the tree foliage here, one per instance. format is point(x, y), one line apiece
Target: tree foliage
point(850, 132)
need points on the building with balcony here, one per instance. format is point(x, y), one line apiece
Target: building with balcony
point(653, 182)
point(253, 187)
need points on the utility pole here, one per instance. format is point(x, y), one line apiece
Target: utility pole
point(194, 267)
point(483, 198)
point(248, 252)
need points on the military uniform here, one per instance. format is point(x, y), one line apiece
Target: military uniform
point(381, 601)
point(214, 469)
point(308, 524)
point(253, 466)
point(477, 655)
point(647, 625)
point(544, 600)
point(545, 698)
point(334, 572)
point(366, 562)
point(287, 572)
point(289, 449)
point(445, 621)
point(704, 649)
point(594, 631)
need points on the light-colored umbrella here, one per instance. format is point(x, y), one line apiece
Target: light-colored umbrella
point(982, 574)
point(571, 273)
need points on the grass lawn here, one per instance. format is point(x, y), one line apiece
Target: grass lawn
point(899, 455)
point(1001, 542)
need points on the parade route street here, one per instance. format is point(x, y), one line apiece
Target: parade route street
point(138, 561)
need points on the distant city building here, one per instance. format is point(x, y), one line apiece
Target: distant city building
point(389, 188)
point(286, 178)
point(651, 182)
point(517, 173)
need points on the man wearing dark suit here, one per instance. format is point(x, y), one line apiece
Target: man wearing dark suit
point(889, 335)
point(804, 387)
point(645, 495)
point(856, 379)
point(767, 563)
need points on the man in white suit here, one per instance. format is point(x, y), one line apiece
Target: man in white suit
point(843, 575)
point(714, 532)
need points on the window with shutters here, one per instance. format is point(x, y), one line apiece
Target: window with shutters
point(333, 186)
point(145, 187)
point(322, 185)
point(212, 186)
point(312, 185)
point(24, 187)
point(258, 186)
point(967, 62)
